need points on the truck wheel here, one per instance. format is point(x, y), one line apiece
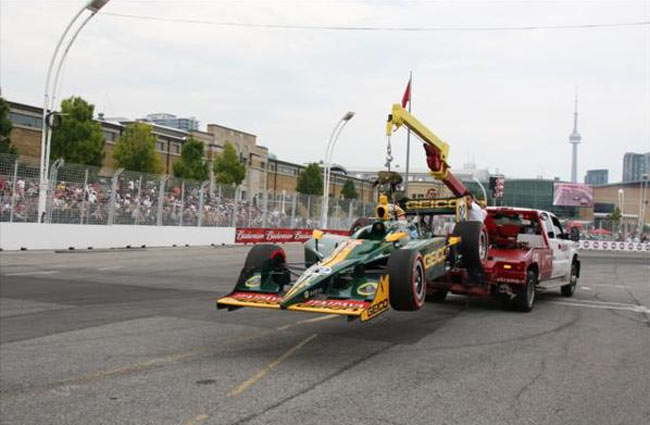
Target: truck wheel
point(568, 289)
point(407, 286)
point(473, 247)
point(437, 296)
point(358, 224)
point(526, 296)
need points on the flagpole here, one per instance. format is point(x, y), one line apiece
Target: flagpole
point(408, 136)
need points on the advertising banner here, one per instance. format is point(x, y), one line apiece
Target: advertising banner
point(615, 246)
point(264, 235)
point(572, 195)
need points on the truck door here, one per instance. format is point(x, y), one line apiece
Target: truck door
point(555, 243)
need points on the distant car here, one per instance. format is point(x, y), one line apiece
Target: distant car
point(528, 250)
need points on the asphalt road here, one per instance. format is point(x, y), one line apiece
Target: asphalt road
point(132, 337)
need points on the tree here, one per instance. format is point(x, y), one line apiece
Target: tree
point(5, 129)
point(228, 169)
point(136, 149)
point(349, 191)
point(310, 181)
point(78, 138)
point(192, 165)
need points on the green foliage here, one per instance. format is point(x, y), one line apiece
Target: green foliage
point(228, 169)
point(5, 129)
point(192, 165)
point(349, 191)
point(310, 181)
point(78, 138)
point(615, 216)
point(136, 149)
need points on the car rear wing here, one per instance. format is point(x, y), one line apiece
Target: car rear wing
point(456, 206)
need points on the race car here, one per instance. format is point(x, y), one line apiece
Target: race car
point(386, 262)
point(528, 251)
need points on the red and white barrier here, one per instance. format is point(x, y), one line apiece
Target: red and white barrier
point(615, 246)
point(247, 235)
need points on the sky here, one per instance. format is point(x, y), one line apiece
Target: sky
point(502, 99)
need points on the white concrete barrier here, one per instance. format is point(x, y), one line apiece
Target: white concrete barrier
point(15, 236)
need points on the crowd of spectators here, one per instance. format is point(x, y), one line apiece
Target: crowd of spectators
point(136, 202)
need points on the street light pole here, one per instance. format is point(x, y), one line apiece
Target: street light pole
point(93, 6)
point(328, 163)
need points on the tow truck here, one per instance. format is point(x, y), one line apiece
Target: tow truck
point(520, 250)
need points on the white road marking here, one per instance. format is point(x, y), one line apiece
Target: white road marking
point(110, 268)
point(33, 273)
point(609, 285)
point(586, 288)
point(605, 305)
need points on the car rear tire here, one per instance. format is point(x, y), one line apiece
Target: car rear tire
point(473, 247)
point(407, 284)
point(570, 288)
point(526, 297)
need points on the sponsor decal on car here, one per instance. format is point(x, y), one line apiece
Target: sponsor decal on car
point(435, 257)
point(380, 303)
point(367, 289)
point(254, 281)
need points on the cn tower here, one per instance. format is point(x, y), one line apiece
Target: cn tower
point(574, 139)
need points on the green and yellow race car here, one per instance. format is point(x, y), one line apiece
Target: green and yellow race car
point(384, 262)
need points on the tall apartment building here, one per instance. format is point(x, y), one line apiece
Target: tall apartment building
point(635, 165)
point(597, 177)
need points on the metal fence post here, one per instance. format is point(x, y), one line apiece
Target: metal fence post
point(83, 201)
point(180, 220)
point(205, 184)
point(234, 207)
point(13, 191)
point(111, 207)
point(137, 202)
point(265, 213)
point(309, 207)
point(350, 212)
point(293, 212)
point(54, 171)
point(161, 199)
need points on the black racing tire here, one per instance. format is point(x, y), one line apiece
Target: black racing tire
point(256, 258)
point(407, 284)
point(569, 289)
point(526, 297)
point(264, 252)
point(358, 224)
point(437, 296)
point(473, 246)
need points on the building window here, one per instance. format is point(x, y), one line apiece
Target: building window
point(160, 146)
point(25, 120)
point(176, 148)
point(109, 136)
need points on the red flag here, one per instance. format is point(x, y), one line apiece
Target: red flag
point(407, 95)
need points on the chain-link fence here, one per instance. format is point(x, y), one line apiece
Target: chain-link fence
point(82, 194)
